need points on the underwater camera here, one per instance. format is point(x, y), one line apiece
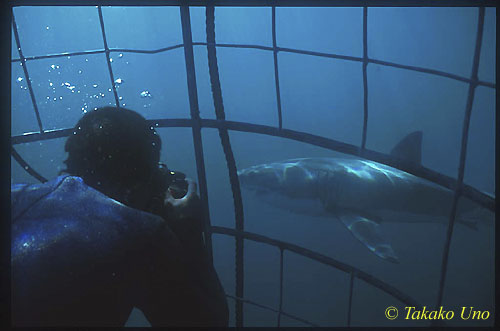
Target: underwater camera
point(174, 180)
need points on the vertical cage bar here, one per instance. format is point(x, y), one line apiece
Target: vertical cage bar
point(276, 75)
point(230, 161)
point(108, 60)
point(349, 308)
point(26, 75)
point(195, 116)
point(365, 78)
point(463, 153)
point(281, 287)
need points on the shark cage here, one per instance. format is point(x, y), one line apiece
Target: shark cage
point(346, 300)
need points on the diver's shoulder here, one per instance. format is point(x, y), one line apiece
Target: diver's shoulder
point(66, 212)
point(68, 197)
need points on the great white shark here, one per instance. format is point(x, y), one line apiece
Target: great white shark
point(360, 193)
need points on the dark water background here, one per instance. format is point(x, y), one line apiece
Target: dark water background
point(320, 96)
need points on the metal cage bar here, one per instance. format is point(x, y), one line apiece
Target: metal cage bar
point(196, 125)
point(351, 286)
point(276, 73)
point(365, 78)
point(272, 309)
point(26, 166)
point(326, 260)
point(26, 75)
point(443, 180)
point(463, 153)
point(280, 311)
point(278, 49)
point(108, 59)
point(230, 161)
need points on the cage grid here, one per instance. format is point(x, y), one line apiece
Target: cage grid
point(197, 123)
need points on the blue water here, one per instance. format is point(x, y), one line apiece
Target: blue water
point(322, 96)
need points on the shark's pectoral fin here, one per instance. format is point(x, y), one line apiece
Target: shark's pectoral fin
point(368, 232)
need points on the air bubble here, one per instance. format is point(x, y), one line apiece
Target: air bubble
point(146, 94)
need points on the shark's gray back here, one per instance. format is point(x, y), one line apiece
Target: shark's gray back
point(371, 186)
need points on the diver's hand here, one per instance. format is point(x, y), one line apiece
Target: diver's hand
point(187, 206)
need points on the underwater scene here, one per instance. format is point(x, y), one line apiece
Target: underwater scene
point(346, 130)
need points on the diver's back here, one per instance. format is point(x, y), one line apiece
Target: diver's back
point(76, 255)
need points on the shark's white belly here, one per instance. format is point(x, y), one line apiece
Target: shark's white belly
point(311, 207)
point(314, 207)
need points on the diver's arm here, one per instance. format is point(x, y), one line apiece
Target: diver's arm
point(175, 291)
point(182, 286)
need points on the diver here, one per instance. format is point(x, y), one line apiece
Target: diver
point(115, 230)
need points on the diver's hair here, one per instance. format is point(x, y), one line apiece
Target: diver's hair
point(112, 147)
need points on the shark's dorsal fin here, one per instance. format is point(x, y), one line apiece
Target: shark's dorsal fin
point(409, 148)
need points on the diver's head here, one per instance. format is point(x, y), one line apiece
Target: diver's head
point(115, 151)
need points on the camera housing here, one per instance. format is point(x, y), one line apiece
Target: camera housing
point(174, 180)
